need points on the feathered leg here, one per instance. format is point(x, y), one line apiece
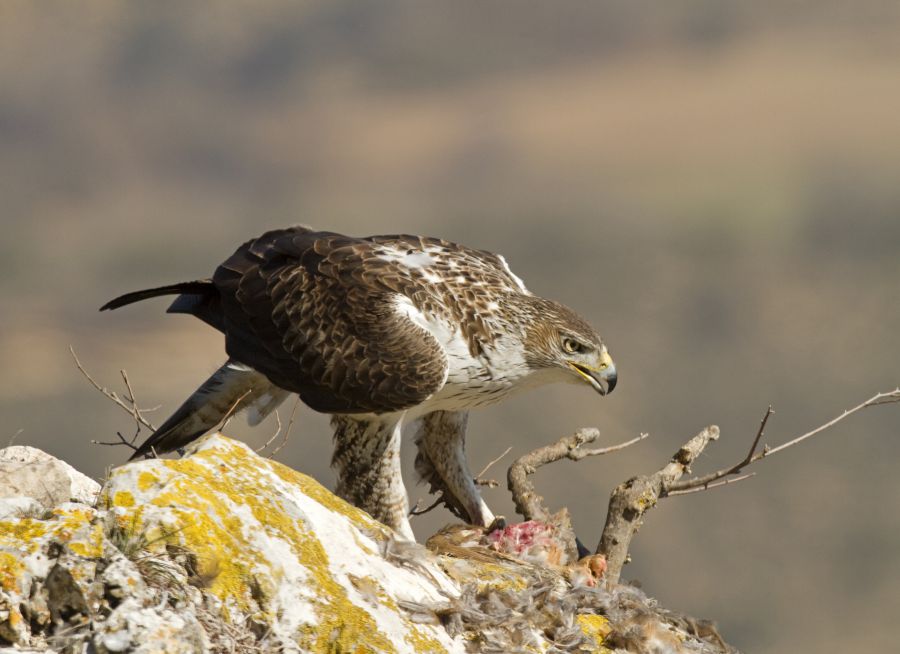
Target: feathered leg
point(232, 387)
point(367, 459)
point(441, 438)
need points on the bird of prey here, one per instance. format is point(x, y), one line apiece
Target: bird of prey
point(387, 334)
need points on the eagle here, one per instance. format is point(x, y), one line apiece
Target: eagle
point(387, 334)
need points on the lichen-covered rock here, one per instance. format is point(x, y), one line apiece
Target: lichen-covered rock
point(29, 472)
point(226, 551)
point(273, 544)
point(139, 629)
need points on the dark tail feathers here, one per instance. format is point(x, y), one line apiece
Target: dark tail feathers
point(200, 287)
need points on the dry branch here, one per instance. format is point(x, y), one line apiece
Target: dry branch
point(490, 483)
point(129, 405)
point(130, 408)
point(631, 499)
point(287, 432)
point(755, 454)
point(528, 503)
point(12, 439)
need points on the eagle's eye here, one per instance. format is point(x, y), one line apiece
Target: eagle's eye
point(571, 346)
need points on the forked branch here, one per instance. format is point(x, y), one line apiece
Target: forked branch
point(129, 405)
point(755, 454)
point(631, 499)
point(528, 503)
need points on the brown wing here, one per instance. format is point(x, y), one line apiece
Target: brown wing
point(300, 307)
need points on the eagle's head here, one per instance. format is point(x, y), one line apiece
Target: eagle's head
point(562, 346)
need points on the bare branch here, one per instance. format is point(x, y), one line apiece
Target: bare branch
point(878, 399)
point(492, 462)
point(287, 432)
point(273, 436)
point(12, 439)
point(129, 405)
point(528, 503)
point(706, 481)
point(230, 413)
point(715, 484)
point(490, 483)
point(631, 499)
point(122, 441)
point(132, 410)
point(579, 454)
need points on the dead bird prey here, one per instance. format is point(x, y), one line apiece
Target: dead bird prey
point(385, 333)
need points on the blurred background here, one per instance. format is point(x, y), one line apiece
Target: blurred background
point(715, 185)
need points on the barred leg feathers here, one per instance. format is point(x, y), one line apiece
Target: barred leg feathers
point(441, 461)
point(367, 460)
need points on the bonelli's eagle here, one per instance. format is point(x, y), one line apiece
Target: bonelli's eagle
point(385, 333)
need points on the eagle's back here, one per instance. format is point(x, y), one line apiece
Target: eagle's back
point(365, 325)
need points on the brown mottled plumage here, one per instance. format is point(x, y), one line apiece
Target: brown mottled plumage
point(384, 333)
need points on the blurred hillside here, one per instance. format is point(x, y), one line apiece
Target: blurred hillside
point(715, 185)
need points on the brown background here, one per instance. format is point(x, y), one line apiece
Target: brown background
point(715, 185)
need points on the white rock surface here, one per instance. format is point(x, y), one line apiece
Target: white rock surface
point(277, 545)
point(29, 472)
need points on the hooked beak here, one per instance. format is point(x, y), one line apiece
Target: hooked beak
point(602, 378)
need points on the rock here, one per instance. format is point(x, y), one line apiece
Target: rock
point(226, 551)
point(138, 629)
point(29, 472)
point(269, 542)
point(20, 506)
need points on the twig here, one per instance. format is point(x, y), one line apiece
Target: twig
point(122, 441)
point(490, 483)
point(715, 484)
point(273, 436)
point(493, 461)
point(528, 503)
point(878, 399)
point(133, 411)
point(705, 481)
point(287, 431)
point(12, 439)
point(231, 410)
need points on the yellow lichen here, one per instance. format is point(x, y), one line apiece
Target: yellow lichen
point(92, 548)
point(123, 498)
point(22, 534)
point(146, 480)
point(595, 627)
point(11, 569)
point(422, 642)
point(329, 500)
point(202, 493)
